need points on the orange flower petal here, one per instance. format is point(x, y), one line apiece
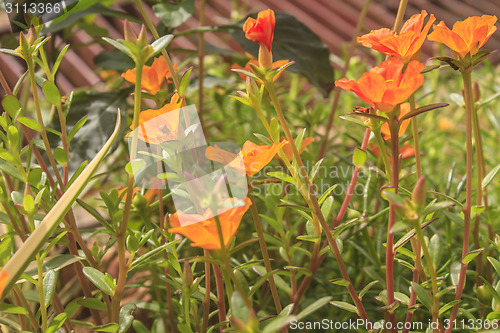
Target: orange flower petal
point(261, 30)
point(203, 232)
point(3, 280)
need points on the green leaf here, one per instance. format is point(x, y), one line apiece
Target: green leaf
point(161, 43)
point(60, 156)
point(49, 286)
point(30, 123)
point(113, 60)
point(275, 325)
point(455, 272)
point(119, 46)
point(359, 157)
point(423, 295)
point(57, 323)
point(144, 258)
point(340, 282)
point(239, 308)
point(11, 52)
point(282, 176)
point(184, 82)
point(11, 105)
point(126, 317)
point(14, 309)
point(326, 207)
point(100, 110)
point(367, 288)
point(344, 306)
point(495, 263)
point(139, 327)
point(471, 255)
point(448, 306)
point(25, 254)
point(109, 327)
point(294, 41)
point(326, 193)
point(174, 15)
point(92, 303)
point(313, 307)
point(52, 93)
point(436, 249)
point(97, 278)
point(489, 177)
point(59, 59)
point(423, 109)
point(133, 167)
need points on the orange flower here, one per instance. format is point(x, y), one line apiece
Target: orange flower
point(261, 30)
point(3, 280)
point(159, 125)
point(467, 36)
point(386, 85)
point(255, 157)
point(287, 149)
point(386, 133)
point(152, 77)
point(203, 228)
point(248, 68)
point(404, 45)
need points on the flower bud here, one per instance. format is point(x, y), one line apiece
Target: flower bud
point(419, 192)
point(265, 57)
point(188, 275)
point(128, 31)
point(142, 40)
point(31, 35)
point(139, 201)
point(476, 93)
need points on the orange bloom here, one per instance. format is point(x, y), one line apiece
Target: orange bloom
point(159, 125)
point(202, 230)
point(248, 68)
point(152, 77)
point(467, 36)
point(3, 280)
point(255, 157)
point(386, 85)
point(287, 149)
point(404, 45)
point(261, 30)
point(386, 133)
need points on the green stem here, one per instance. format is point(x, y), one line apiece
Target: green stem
point(187, 313)
point(24, 302)
point(123, 266)
point(469, 107)
point(432, 272)
point(383, 153)
point(416, 144)
point(313, 201)
point(41, 296)
point(263, 248)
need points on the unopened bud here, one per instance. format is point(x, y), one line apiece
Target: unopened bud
point(419, 192)
point(476, 93)
point(265, 58)
point(188, 275)
point(129, 33)
point(24, 44)
point(139, 201)
point(31, 35)
point(143, 37)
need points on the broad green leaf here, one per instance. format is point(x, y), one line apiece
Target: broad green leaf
point(423, 295)
point(282, 176)
point(57, 323)
point(59, 59)
point(139, 327)
point(455, 272)
point(113, 60)
point(471, 255)
point(52, 93)
point(109, 327)
point(126, 317)
point(100, 110)
point(436, 249)
point(14, 309)
point(49, 286)
point(92, 303)
point(448, 306)
point(145, 257)
point(294, 41)
point(97, 278)
point(239, 308)
point(344, 306)
point(275, 325)
point(25, 254)
point(30, 123)
point(495, 263)
point(161, 43)
point(359, 157)
point(367, 288)
point(173, 15)
point(11, 105)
